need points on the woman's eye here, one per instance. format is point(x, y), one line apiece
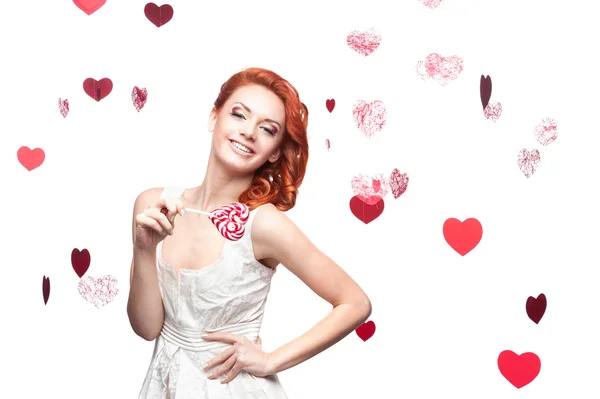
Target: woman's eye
point(237, 115)
point(272, 133)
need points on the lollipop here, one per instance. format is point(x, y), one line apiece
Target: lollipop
point(229, 219)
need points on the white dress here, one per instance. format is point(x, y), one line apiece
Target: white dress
point(228, 295)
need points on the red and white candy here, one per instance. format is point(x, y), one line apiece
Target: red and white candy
point(229, 219)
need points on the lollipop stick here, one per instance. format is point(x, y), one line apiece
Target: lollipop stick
point(197, 211)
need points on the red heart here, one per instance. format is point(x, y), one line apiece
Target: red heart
point(29, 158)
point(89, 6)
point(97, 89)
point(46, 289)
point(519, 370)
point(330, 104)
point(139, 97)
point(366, 330)
point(536, 307)
point(365, 212)
point(80, 260)
point(158, 15)
point(462, 236)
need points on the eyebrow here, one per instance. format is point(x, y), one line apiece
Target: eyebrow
point(250, 111)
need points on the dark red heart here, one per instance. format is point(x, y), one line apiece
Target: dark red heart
point(462, 236)
point(366, 212)
point(536, 307)
point(366, 330)
point(485, 90)
point(330, 104)
point(80, 260)
point(158, 15)
point(46, 289)
point(97, 89)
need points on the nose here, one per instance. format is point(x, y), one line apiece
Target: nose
point(248, 132)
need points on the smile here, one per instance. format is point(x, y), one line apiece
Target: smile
point(241, 149)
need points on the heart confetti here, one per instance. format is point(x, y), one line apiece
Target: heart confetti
point(63, 107)
point(370, 117)
point(29, 158)
point(485, 90)
point(89, 6)
point(462, 236)
point(98, 291)
point(528, 161)
point(139, 97)
point(431, 3)
point(328, 144)
point(536, 307)
point(97, 89)
point(366, 330)
point(364, 212)
point(370, 190)
point(398, 183)
point(546, 132)
point(330, 104)
point(80, 260)
point(364, 43)
point(519, 370)
point(493, 111)
point(46, 289)
point(441, 69)
point(158, 15)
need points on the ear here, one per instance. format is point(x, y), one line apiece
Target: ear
point(212, 120)
point(275, 155)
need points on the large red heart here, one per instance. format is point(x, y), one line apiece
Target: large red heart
point(519, 370)
point(89, 6)
point(462, 236)
point(80, 260)
point(370, 117)
point(29, 158)
point(366, 213)
point(97, 89)
point(366, 330)
point(158, 15)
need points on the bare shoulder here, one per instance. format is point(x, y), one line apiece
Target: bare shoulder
point(273, 233)
point(148, 198)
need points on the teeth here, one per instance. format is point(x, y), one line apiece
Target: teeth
point(241, 147)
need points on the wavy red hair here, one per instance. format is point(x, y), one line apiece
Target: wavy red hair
point(288, 171)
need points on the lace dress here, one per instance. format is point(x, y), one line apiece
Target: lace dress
point(228, 295)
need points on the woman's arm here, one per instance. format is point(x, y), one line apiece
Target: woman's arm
point(275, 236)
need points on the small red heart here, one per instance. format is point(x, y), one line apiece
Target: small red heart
point(89, 6)
point(462, 236)
point(330, 104)
point(536, 307)
point(365, 212)
point(97, 89)
point(46, 289)
point(519, 370)
point(80, 260)
point(366, 330)
point(139, 97)
point(158, 15)
point(29, 158)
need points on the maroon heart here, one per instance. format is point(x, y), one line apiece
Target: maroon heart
point(366, 212)
point(80, 260)
point(158, 15)
point(46, 289)
point(485, 90)
point(97, 89)
point(536, 307)
point(330, 104)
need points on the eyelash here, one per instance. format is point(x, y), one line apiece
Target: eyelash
point(236, 115)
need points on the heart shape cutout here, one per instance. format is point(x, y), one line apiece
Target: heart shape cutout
point(230, 220)
point(462, 236)
point(536, 307)
point(29, 158)
point(441, 69)
point(398, 183)
point(98, 291)
point(139, 97)
point(485, 90)
point(370, 117)
point(370, 189)
point(97, 89)
point(330, 104)
point(46, 289)
point(493, 111)
point(80, 260)
point(528, 161)
point(364, 43)
point(89, 6)
point(366, 330)
point(546, 132)
point(364, 212)
point(519, 370)
point(158, 15)
point(63, 107)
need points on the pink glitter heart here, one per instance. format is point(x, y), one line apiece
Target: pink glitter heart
point(493, 111)
point(63, 107)
point(368, 189)
point(364, 43)
point(441, 69)
point(431, 3)
point(139, 97)
point(528, 161)
point(546, 132)
point(98, 291)
point(398, 183)
point(370, 117)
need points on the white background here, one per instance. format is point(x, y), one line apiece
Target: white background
point(442, 319)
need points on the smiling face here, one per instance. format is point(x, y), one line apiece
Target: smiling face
point(248, 129)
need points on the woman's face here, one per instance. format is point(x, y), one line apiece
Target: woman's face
point(248, 129)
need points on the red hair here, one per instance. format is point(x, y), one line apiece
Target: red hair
point(288, 171)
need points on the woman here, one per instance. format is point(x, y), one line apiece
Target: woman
point(197, 281)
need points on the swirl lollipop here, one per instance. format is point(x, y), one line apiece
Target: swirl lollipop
point(229, 219)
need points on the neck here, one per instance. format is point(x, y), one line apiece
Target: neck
point(218, 188)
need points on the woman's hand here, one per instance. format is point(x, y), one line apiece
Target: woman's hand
point(242, 355)
point(155, 223)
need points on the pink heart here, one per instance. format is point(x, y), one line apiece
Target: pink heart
point(63, 107)
point(546, 132)
point(139, 97)
point(98, 291)
point(493, 111)
point(441, 69)
point(368, 189)
point(431, 3)
point(528, 161)
point(364, 43)
point(398, 183)
point(370, 117)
